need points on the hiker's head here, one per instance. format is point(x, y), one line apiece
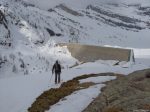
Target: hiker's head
point(57, 61)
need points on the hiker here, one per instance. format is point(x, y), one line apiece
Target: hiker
point(57, 69)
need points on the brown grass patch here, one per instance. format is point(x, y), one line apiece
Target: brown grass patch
point(52, 96)
point(86, 84)
point(146, 107)
point(113, 109)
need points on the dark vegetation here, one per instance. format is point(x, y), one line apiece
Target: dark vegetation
point(2, 61)
point(52, 33)
point(5, 41)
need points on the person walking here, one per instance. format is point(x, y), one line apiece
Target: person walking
point(57, 69)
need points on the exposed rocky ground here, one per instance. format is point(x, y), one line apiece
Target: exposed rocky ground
point(125, 94)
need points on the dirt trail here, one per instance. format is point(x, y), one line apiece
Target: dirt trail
point(126, 94)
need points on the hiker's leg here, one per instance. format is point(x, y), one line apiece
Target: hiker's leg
point(55, 77)
point(58, 77)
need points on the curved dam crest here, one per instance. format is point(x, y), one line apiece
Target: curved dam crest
point(88, 53)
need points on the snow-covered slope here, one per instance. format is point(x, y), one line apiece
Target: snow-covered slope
point(29, 30)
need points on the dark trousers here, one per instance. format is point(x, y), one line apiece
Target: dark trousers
point(57, 77)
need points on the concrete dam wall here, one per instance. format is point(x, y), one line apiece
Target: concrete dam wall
point(86, 53)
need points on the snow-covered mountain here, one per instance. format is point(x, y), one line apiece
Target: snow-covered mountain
point(30, 29)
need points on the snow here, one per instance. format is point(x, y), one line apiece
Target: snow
point(142, 53)
point(17, 93)
point(99, 79)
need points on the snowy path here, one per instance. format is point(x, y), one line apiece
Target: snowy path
point(79, 100)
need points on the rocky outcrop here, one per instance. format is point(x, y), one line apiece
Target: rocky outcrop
point(113, 15)
point(126, 22)
point(126, 94)
point(71, 11)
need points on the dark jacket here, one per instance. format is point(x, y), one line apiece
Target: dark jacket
point(57, 68)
